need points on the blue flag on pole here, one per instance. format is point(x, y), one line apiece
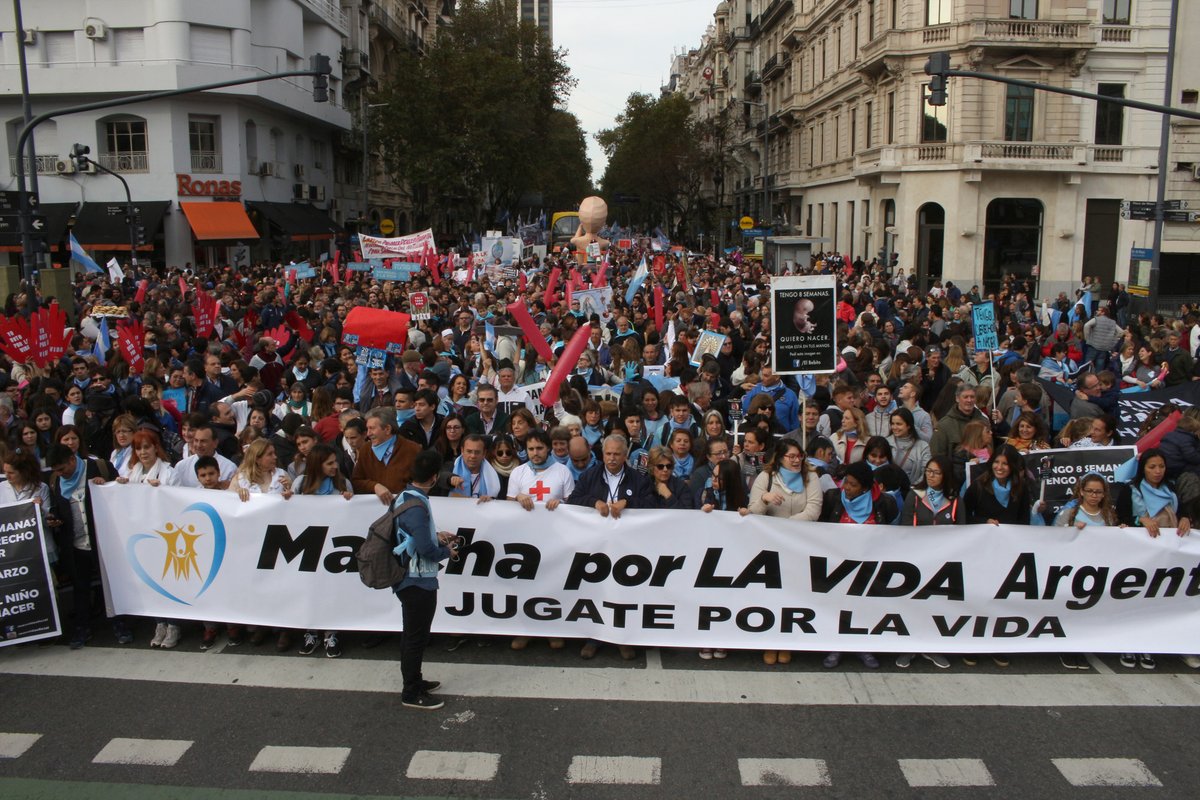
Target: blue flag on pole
point(636, 282)
point(77, 254)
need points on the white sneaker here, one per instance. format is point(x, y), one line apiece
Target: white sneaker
point(160, 633)
point(172, 638)
point(719, 654)
point(938, 660)
point(706, 654)
point(1192, 661)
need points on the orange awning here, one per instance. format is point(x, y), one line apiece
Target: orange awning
point(220, 220)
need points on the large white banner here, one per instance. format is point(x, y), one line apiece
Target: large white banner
point(671, 578)
point(412, 245)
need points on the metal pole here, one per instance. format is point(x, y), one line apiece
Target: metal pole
point(362, 120)
point(1164, 152)
point(26, 100)
point(128, 204)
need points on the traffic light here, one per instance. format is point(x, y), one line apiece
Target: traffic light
point(936, 68)
point(320, 64)
point(79, 154)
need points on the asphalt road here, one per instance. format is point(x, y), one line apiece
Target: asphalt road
point(112, 721)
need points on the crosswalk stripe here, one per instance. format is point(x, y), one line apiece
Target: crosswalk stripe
point(1105, 772)
point(626, 770)
point(849, 688)
point(14, 745)
point(143, 752)
point(783, 772)
point(452, 766)
point(305, 760)
point(921, 772)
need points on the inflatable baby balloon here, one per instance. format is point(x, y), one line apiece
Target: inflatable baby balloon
point(593, 213)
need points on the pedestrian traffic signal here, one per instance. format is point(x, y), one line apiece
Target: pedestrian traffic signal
point(320, 64)
point(936, 68)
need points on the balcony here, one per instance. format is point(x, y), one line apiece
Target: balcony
point(355, 61)
point(126, 162)
point(206, 161)
point(776, 65)
point(1027, 151)
point(752, 83)
point(416, 43)
point(329, 12)
point(1036, 31)
point(388, 23)
point(1053, 156)
point(736, 35)
point(45, 165)
point(1118, 34)
point(774, 12)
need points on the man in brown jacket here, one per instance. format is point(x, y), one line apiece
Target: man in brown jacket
point(385, 460)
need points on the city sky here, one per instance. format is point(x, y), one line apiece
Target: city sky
point(617, 47)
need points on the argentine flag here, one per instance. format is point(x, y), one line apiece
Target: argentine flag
point(639, 278)
point(83, 258)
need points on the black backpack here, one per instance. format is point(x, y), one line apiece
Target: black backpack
point(378, 566)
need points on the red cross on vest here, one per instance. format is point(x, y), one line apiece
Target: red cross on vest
point(540, 490)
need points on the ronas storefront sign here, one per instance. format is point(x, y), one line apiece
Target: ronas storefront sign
point(186, 186)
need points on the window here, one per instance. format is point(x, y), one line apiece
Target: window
point(837, 137)
point(129, 44)
point(251, 147)
point(891, 118)
point(1012, 239)
point(202, 141)
point(937, 12)
point(1018, 114)
point(868, 122)
point(895, 13)
point(853, 131)
point(1022, 9)
point(870, 20)
point(211, 45)
point(125, 145)
point(60, 47)
point(933, 119)
point(318, 154)
point(1110, 117)
point(854, 46)
point(1116, 12)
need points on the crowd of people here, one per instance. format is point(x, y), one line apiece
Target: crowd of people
point(915, 428)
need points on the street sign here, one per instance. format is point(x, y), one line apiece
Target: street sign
point(38, 223)
point(1138, 209)
point(746, 223)
point(627, 199)
point(387, 227)
point(1175, 205)
point(1180, 216)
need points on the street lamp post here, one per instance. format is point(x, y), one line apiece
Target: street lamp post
point(366, 170)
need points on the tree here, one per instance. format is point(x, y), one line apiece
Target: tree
point(478, 122)
point(655, 152)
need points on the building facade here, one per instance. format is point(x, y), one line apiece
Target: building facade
point(538, 12)
point(1001, 180)
point(221, 176)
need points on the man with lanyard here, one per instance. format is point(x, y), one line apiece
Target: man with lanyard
point(610, 488)
point(71, 504)
point(377, 392)
point(425, 546)
point(473, 476)
point(487, 420)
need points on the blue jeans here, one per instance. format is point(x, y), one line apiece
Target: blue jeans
point(1097, 357)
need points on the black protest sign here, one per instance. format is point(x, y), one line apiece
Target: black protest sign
point(1134, 407)
point(804, 324)
point(28, 609)
point(1054, 473)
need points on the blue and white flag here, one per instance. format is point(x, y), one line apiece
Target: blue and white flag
point(77, 254)
point(103, 342)
point(1086, 302)
point(636, 282)
point(489, 337)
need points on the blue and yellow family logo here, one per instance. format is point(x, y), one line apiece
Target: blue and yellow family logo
point(189, 550)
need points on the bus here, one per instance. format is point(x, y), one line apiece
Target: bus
point(563, 226)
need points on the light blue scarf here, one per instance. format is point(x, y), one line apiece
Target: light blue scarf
point(487, 484)
point(68, 486)
point(326, 486)
point(1003, 493)
point(383, 450)
point(575, 471)
point(683, 466)
point(936, 499)
point(592, 435)
point(793, 480)
point(859, 509)
point(1157, 499)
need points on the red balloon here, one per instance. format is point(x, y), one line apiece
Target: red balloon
point(566, 363)
point(658, 306)
point(520, 315)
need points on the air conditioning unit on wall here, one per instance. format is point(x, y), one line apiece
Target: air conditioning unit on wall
point(95, 30)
